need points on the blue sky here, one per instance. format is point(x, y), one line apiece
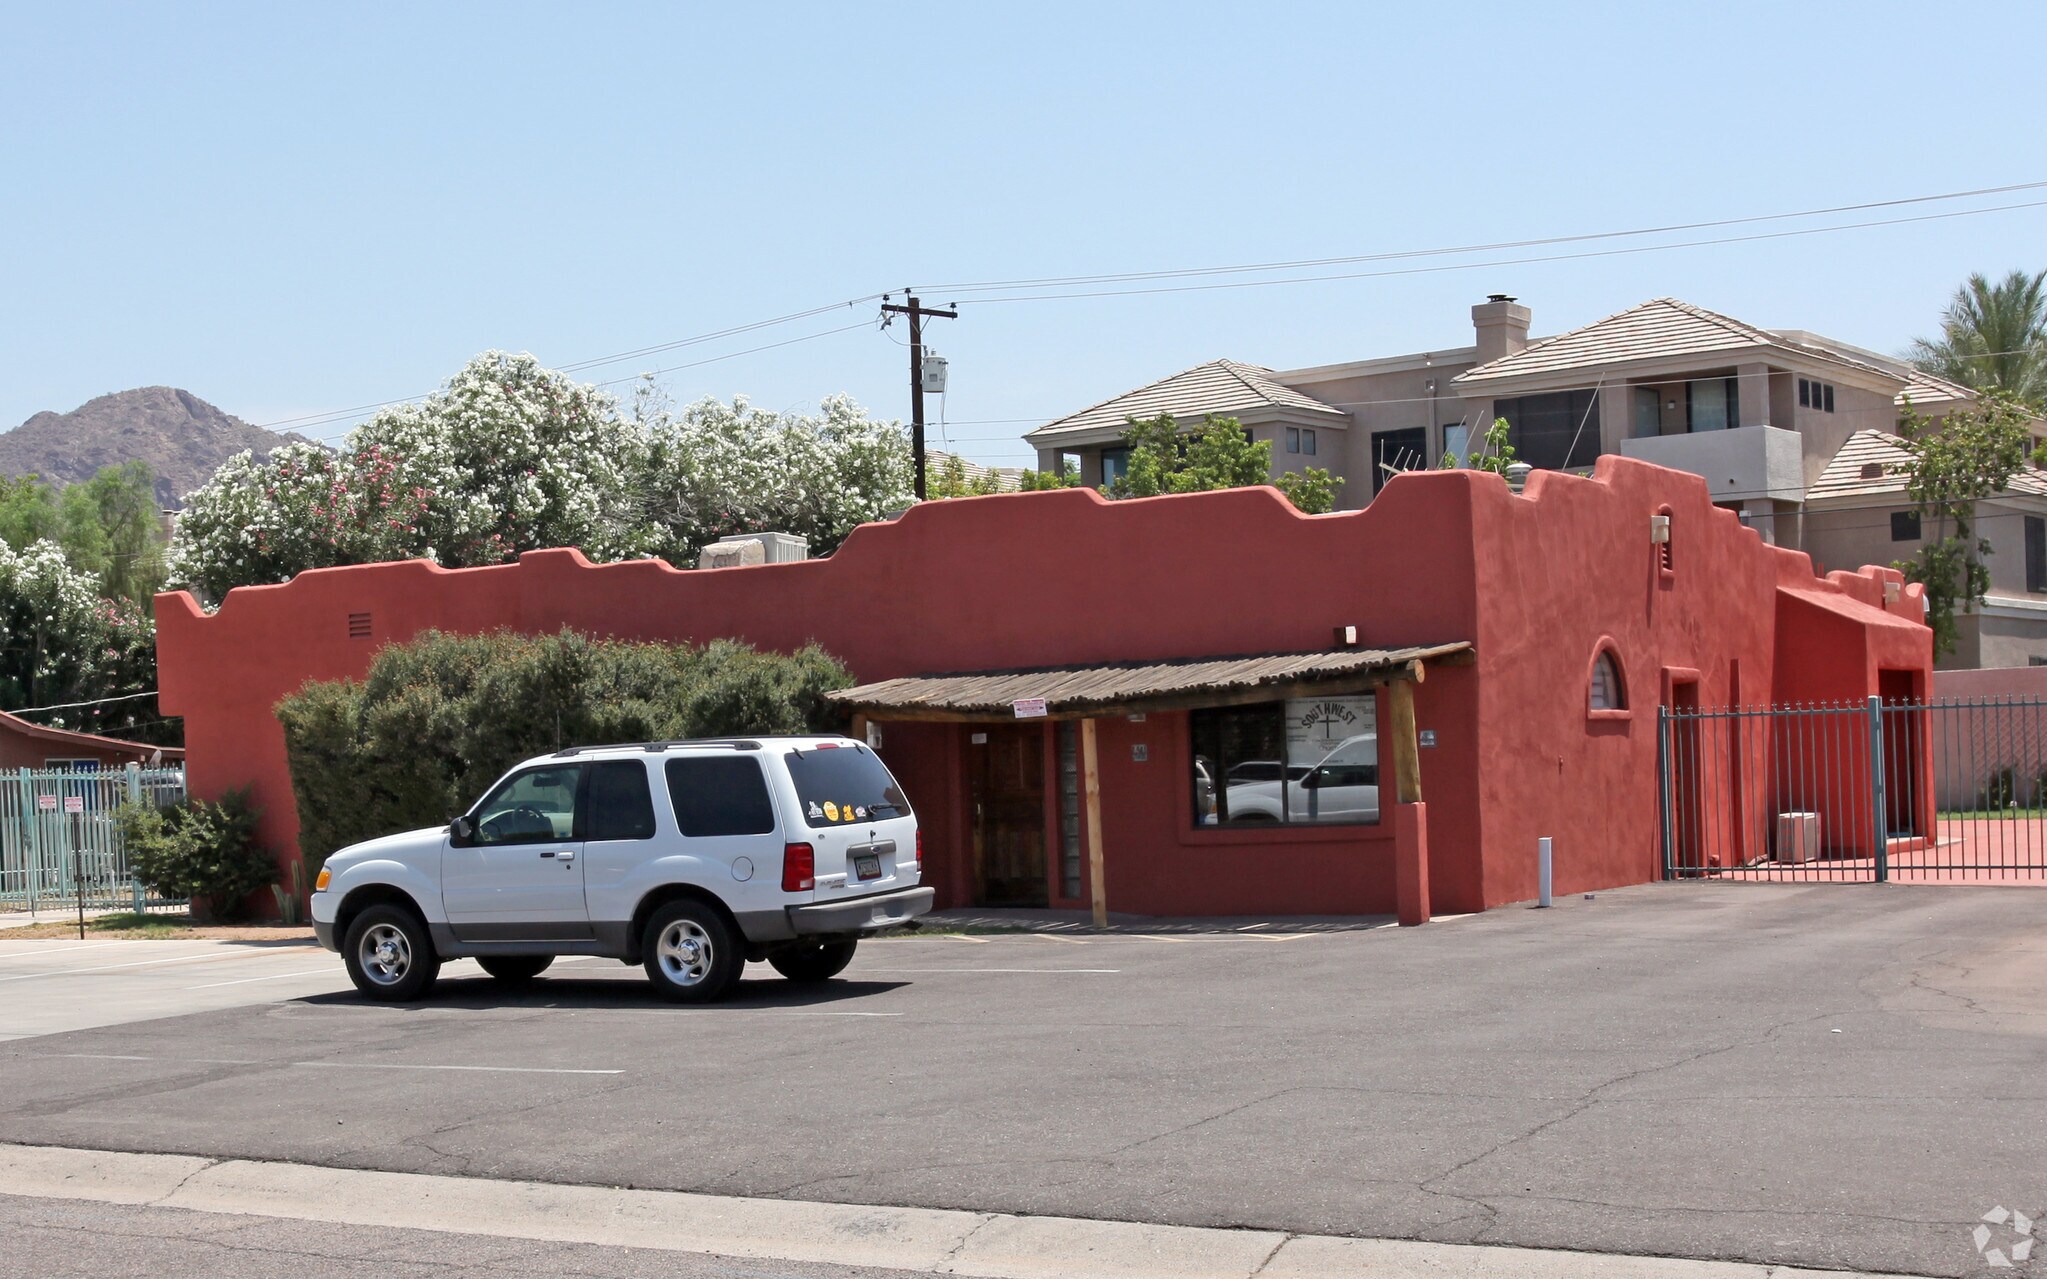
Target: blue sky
point(290, 209)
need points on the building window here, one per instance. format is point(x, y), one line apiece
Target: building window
point(1293, 439)
point(1456, 442)
point(1712, 404)
point(1553, 432)
point(1815, 395)
point(1069, 809)
point(1305, 761)
point(1648, 411)
point(1904, 526)
point(2036, 554)
point(1307, 442)
point(1608, 693)
point(1115, 465)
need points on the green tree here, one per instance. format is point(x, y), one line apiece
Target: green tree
point(1218, 454)
point(1963, 459)
point(1495, 453)
point(1993, 337)
point(108, 526)
point(1066, 477)
point(952, 480)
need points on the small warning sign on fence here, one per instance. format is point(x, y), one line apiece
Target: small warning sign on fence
point(74, 803)
point(47, 803)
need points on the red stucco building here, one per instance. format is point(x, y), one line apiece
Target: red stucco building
point(1204, 803)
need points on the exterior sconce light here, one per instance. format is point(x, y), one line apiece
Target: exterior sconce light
point(1659, 529)
point(1893, 592)
point(1346, 637)
point(1517, 475)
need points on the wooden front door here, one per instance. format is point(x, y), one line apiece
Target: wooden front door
point(1008, 793)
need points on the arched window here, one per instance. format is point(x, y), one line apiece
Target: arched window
point(1608, 693)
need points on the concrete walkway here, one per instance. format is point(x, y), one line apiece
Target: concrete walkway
point(909, 1240)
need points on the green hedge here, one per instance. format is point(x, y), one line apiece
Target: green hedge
point(438, 719)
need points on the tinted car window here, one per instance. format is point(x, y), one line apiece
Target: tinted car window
point(840, 784)
point(618, 803)
point(532, 807)
point(720, 796)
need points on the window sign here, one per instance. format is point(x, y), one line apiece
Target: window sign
point(1305, 760)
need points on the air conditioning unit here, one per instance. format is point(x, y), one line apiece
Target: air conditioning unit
point(1798, 837)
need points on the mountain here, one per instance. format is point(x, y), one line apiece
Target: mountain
point(182, 437)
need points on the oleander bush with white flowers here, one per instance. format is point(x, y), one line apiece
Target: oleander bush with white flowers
point(509, 456)
point(61, 641)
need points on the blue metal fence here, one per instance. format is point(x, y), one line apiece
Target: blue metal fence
point(59, 844)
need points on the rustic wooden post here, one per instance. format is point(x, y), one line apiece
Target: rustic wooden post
point(1407, 763)
point(859, 733)
point(1091, 776)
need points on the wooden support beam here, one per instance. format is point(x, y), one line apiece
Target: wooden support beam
point(1407, 763)
point(1091, 780)
point(859, 733)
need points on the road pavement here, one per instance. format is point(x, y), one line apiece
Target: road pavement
point(1841, 1076)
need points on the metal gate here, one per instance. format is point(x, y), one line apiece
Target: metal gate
point(59, 843)
point(1916, 792)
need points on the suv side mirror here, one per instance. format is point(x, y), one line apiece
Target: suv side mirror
point(461, 831)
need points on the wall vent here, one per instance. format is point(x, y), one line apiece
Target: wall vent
point(358, 626)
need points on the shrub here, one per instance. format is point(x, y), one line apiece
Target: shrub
point(436, 720)
point(199, 849)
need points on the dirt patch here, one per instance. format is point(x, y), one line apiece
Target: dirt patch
point(167, 930)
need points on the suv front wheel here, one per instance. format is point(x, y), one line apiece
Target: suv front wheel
point(389, 954)
point(691, 953)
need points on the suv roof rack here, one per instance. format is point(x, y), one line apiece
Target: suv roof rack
point(655, 748)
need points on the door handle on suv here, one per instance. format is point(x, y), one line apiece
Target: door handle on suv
point(565, 854)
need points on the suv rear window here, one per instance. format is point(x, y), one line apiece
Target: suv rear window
point(840, 784)
point(721, 795)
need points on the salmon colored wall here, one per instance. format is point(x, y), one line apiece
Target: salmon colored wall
point(1535, 580)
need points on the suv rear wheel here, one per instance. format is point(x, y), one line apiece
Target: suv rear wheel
point(389, 954)
point(691, 953)
point(515, 970)
point(813, 961)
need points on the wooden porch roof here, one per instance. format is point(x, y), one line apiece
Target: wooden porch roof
point(1123, 688)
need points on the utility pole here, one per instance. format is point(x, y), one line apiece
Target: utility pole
point(917, 312)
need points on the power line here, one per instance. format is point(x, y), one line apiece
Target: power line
point(71, 706)
point(1306, 263)
point(1499, 262)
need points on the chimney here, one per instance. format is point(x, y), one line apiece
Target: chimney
point(1501, 324)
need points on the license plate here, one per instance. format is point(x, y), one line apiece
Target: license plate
point(868, 866)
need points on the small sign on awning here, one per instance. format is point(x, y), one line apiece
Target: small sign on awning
point(1029, 707)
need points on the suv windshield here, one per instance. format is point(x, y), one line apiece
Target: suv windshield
point(840, 784)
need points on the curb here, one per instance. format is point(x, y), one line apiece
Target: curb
point(925, 1240)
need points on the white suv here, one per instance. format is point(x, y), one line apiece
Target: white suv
point(688, 857)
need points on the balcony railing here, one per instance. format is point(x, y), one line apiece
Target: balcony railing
point(1744, 463)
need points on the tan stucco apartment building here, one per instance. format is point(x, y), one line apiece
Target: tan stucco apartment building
point(1795, 431)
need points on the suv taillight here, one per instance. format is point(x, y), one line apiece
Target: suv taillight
point(920, 848)
point(799, 868)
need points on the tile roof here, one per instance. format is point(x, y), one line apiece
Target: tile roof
point(1222, 387)
point(1120, 687)
point(1923, 388)
point(1007, 478)
point(1657, 329)
point(1844, 477)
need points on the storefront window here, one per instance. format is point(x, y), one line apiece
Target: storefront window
point(1308, 760)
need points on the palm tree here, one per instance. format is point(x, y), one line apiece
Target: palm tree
point(1993, 337)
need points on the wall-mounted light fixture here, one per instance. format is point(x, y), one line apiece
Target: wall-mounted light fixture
point(1893, 592)
point(1659, 529)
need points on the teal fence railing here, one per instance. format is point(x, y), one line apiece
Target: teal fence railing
point(59, 843)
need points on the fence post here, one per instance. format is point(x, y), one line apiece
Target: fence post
point(1542, 872)
point(1879, 822)
point(1663, 798)
point(31, 819)
point(134, 771)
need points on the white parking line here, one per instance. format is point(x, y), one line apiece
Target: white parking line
point(145, 963)
point(58, 950)
point(990, 970)
point(398, 1065)
point(336, 1065)
point(1071, 941)
point(243, 981)
point(978, 941)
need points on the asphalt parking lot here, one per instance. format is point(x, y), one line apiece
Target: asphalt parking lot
point(1833, 1076)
